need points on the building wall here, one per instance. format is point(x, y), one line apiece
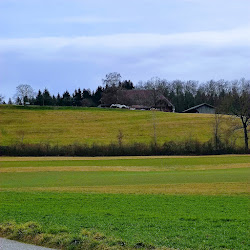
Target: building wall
point(206, 110)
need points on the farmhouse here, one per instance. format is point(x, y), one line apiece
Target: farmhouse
point(144, 99)
point(203, 108)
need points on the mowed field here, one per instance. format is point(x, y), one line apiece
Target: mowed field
point(62, 125)
point(172, 202)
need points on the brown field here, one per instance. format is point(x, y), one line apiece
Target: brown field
point(63, 158)
point(117, 168)
point(187, 188)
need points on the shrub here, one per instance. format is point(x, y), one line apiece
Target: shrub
point(187, 147)
point(57, 237)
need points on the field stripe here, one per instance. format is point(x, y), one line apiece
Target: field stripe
point(187, 188)
point(62, 158)
point(118, 168)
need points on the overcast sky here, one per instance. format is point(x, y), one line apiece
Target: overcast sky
point(66, 44)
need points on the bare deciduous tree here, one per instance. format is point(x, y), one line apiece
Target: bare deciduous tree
point(1, 99)
point(24, 92)
point(120, 138)
point(238, 106)
point(112, 80)
point(217, 130)
point(111, 85)
point(154, 128)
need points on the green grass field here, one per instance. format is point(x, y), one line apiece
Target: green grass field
point(62, 125)
point(171, 202)
point(179, 222)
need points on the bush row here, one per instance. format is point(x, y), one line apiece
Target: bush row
point(189, 147)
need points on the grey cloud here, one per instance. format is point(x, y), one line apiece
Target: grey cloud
point(122, 43)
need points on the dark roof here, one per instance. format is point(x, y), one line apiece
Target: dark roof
point(198, 106)
point(139, 96)
point(140, 107)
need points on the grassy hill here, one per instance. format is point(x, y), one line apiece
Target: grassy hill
point(68, 125)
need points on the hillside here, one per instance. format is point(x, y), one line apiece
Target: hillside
point(68, 125)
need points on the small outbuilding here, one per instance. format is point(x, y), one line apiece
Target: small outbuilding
point(203, 108)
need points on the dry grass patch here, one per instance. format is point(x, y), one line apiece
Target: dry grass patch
point(63, 158)
point(187, 189)
point(119, 168)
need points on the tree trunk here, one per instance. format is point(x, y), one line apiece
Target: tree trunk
point(244, 122)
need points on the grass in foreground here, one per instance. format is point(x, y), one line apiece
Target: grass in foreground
point(180, 222)
point(129, 201)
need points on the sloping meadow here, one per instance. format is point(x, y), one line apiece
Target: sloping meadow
point(72, 125)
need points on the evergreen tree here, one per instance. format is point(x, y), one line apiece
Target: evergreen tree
point(54, 100)
point(66, 99)
point(77, 97)
point(97, 95)
point(39, 98)
point(59, 100)
point(47, 99)
point(87, 98)
point(86, 94)
point(10, 102)
point(127, 84)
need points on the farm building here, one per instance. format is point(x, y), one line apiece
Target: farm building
point(142, 99)
point(203, 108)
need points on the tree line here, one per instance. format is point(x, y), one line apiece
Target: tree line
point(186, 94)
point(182, 94)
